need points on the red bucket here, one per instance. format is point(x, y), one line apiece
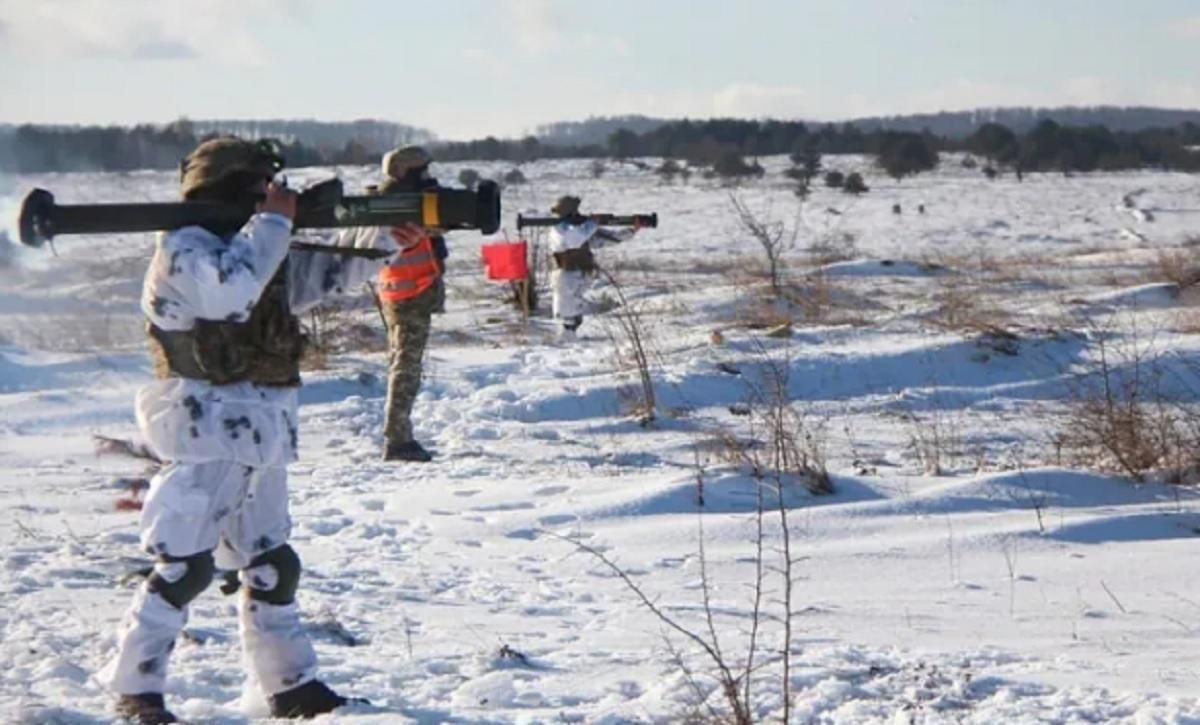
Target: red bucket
point(505, 261)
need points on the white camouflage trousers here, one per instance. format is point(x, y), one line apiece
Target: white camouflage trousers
point(567, 289)
point(237, 512)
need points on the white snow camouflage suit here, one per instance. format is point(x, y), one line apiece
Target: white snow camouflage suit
point(568, 286)
point(224, 491)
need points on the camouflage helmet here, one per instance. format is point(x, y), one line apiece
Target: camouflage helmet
point(566, 206)
point(219, 158)
point(398, 162)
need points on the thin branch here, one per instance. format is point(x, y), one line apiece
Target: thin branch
point(728, 681)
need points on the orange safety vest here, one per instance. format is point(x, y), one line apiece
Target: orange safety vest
point(410, 273)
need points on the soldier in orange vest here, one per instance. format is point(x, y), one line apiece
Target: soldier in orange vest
point(410, 291)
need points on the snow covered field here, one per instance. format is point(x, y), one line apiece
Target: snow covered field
point(962, 571)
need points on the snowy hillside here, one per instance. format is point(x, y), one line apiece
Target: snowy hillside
point(966, 568)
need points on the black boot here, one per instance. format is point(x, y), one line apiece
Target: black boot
point(308, 700)
point(407, 451)
point(144, 709)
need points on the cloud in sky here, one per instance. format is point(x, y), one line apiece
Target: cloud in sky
point(1186, 28)
point(152, 30)
point(537, 26)
point(1173, 95)
point(965, 94)
point(757, 100)
point(164, 50)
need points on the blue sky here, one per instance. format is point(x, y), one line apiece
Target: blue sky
point(467, 68)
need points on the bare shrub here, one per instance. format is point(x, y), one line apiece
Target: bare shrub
point(314, 358)
point(934, 440)
point(524, 295)
point(631, 336)
point(834, 247)
point(759, 314)
point(792, 449)
point(320, 320)
point(337, 326)
point(964, 301)
point(733, 685)
point(1175, 265)
point(1187, 320)
point(1124, 417)
point(775, 238)
point(813, 299)
point(957, 298)
point(756, 657)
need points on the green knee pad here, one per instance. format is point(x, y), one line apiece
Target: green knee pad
point(180, 590)
point(286, 563)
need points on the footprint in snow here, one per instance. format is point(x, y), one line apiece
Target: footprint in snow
point(515, 506)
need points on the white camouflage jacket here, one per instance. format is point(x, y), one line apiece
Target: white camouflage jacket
point(565, 236)
point(194, 274)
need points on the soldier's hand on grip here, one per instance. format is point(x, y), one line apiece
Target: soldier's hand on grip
point(407, 236)
point(280, 200)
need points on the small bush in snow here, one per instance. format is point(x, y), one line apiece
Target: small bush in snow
point(854, 184)
point(671, 169)
point(1175, 265)
point(731, 165)
point(469, 178)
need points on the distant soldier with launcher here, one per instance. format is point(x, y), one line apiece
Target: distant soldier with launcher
point(572, 240)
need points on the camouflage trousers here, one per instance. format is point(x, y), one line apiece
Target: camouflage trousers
point(408, 326)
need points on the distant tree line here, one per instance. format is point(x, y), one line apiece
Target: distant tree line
point(377, 136)
point(961, 124)
point(1049, 146)
point(529, 148)
point(955, 125)
point(723, 144)
point(36, 149)
point(720, 145)
point(594, 131)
